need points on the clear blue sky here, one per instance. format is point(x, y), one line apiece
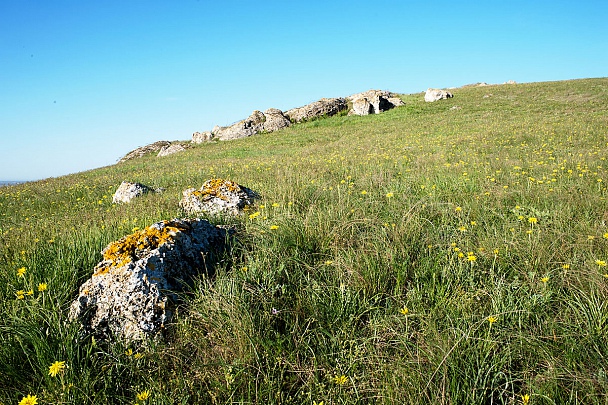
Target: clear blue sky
point(84, 82)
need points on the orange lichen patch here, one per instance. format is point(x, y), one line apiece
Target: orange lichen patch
point(217, 188)
point(124, 251)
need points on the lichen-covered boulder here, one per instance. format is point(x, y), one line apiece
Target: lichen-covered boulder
point(323, 107)
point(432, 95)
point(132, 292)
point(128, 191)
point(217, 196)
point(275, 120)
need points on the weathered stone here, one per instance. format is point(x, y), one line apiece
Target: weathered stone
point(139, 152)
point(200, 137)
point(378, 100)
point(217, 196)
point(128, 191)
point(132, 292)
point(362, 106)
point(275, 120)
point(249, 126)
point(171, 149)
point(432, 95)
point(323, 107)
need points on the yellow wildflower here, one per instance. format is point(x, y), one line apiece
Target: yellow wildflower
point(458, 209)
point(492, 319)
point(544, 279)
point(364, 192)
point(56, 368)
point(42, 287)
point(471, 257)
point(138, 355)
point(340, 379)
point(274, 227)
point(142, 396)
point(29, 292)
point(29, 400)
point(601, 263)
point(525, 399)
point(533, 220)
point(254, 215)
point(21, 271)
point(389, 195)
point(129, 352)
point(20, 294)
point(404, 311)
point(566, 266)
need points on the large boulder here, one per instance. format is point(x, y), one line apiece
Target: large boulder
point(268, 121)
point(171, 149)
point(128, 191)
point(275, 120)
point(201, 137)
point(133, 290)
point(373, 102)
point(217, 196)
point(323, 107)
point(141, 151)
point(432, 95)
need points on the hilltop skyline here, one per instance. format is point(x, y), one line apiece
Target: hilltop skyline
point(84, 83)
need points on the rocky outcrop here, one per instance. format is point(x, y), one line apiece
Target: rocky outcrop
point(217, 196)
point(373, 102)
point(128, 191)
point(171, 149)
point(268, 121)
point(432, 95)
point(139, 152)
point(201, 137)
point(323, 107)
point(133, 290)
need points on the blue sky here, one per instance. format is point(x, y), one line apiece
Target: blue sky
point(84, 82)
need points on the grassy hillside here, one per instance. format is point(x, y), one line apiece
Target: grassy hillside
point(442, 253)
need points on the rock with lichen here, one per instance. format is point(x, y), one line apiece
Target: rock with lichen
point(217, 196)
point(133, 290)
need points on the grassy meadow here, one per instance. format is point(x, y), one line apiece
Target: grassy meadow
point(439, 253)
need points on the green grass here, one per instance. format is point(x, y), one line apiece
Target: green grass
point(493, 210)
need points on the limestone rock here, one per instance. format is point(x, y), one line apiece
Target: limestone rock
point(139, 152)
point(200, 137)
point(325, 106)
point(432, 95)
point(373, 102)
point(132, 292)
point(171, 149)
point(128, 191)
point(217, 196)
point(249, 126)
point(275, 120)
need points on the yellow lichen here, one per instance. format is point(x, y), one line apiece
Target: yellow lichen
point(123, 251)
point(216, 188)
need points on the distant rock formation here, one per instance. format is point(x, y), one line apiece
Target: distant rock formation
point(217, 196)
point(171, 149)
point(133, 291)
point(373, 102)
point(201, 137)
point(323, 107)
point(433, 95)
point(128, 191)
point(141, 151)
point(268, 121)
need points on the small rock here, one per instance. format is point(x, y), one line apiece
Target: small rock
point(217, 196)
point(128, 191)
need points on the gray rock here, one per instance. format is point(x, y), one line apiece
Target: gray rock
point(323, 107)
point(217, 196)
point(275, 120)
point(432, 95)
point(141, 151)
point(133, 290)
point(171, 149)
point(378, 100)
point(249, 126)
point(200, 137)
point(128, 191)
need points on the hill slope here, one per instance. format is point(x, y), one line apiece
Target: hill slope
point(448, 252)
